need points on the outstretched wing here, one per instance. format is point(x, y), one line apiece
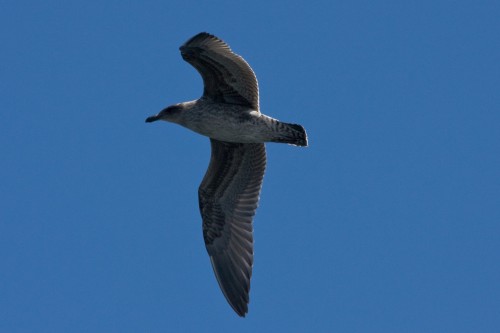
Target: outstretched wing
point(227, 77)
point(228, 197)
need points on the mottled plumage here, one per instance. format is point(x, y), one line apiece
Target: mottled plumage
point(228, 113)
point(227, 77)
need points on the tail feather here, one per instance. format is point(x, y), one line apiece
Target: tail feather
point(293, 134)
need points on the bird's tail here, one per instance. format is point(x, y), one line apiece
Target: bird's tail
point(293, 134)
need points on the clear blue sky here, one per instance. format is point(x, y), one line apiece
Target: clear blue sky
point(388, 222)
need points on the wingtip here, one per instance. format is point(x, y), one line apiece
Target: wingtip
point(242, 311)
point(199, 35)
point(200, 38)
point(238, 302)
point(242, 314)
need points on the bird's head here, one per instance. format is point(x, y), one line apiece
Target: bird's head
point(170, 113)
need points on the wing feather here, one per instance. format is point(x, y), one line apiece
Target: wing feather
point(228, 197)
point(227, 77)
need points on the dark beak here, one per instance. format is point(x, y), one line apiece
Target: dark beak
point(152, 118)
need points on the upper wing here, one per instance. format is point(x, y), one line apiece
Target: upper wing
point(227, 77)
point(229, 196)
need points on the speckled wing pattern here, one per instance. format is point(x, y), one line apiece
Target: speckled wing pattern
point(228, 197)
point(227, 77)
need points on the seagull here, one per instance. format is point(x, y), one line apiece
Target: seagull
point(228, 113)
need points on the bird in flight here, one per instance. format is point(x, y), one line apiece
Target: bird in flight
point(228, 113)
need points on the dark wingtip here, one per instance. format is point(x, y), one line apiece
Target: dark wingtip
point(240, 309)
point(197, 38)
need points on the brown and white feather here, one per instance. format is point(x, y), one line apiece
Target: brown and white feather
point(228, 198)
point(227, 77)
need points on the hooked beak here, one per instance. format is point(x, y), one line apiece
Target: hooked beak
point(152, 118)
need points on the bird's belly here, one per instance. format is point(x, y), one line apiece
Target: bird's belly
point(232, 127)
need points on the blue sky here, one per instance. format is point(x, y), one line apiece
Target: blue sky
point(388, 222)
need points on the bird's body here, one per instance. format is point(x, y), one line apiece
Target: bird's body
point(232, 123)
point(228, 113)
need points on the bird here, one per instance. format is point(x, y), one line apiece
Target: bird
point(228, 113)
